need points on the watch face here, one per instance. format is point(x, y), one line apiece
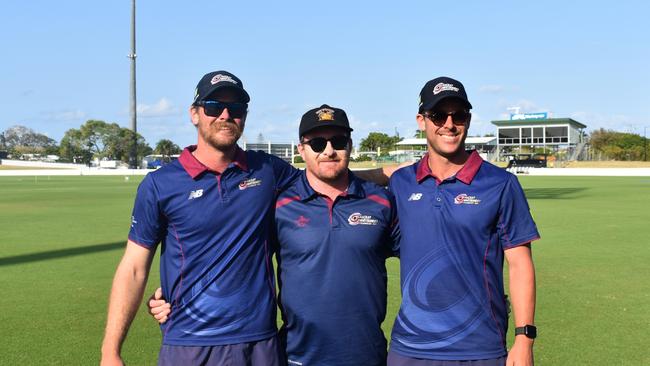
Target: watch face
point(531, 331)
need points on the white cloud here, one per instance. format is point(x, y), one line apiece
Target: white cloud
point(65, 115)
point(162, 108)
point(492, 89)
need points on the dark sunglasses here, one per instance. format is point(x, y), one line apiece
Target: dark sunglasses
point(459, 118)
point(318, 144)
point(214, 108)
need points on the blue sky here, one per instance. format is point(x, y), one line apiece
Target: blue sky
point(65, 62)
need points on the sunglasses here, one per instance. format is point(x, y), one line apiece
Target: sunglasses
point(318, 144)
point(459, 118)
point(214, 108)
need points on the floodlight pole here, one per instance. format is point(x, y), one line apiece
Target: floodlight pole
point(645, 144)
point(133, 155)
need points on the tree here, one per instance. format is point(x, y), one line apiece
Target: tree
point(19, 140)
point(618, 145)
point(379, 140)
point(74, 148)
point(419, 134)
point(166, 148)
point(98, 139)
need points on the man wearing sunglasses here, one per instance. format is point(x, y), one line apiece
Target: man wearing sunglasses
point(459, 217)
point(212, 211)
point(334, 233)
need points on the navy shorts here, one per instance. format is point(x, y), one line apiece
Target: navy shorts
point(259, 353)
point(395, 359)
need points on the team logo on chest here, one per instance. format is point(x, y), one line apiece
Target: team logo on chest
point(302, 221)
point(248, 183)
point(359, 219)
point(464, 199)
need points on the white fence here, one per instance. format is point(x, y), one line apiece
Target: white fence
point(77, 169)
point(45, 169)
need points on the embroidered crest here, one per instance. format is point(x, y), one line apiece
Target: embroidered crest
point(325, 114)
point(463, 199)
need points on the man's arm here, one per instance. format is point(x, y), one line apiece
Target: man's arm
point(522, 296)
point(381, 175)
point(126, 294)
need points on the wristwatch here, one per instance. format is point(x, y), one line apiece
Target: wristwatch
point(529, 331)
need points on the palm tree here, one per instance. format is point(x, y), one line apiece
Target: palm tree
point(166, 148)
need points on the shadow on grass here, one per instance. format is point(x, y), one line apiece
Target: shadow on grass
point(552, 193)
point(61, 253)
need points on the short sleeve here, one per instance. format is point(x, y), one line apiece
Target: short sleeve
point(394, 233)
point(516, 225)
point(147, 220)
point(285, 173)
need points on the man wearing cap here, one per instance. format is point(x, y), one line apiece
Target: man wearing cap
point(334, 232)
point(212, 211)
point(459, 217)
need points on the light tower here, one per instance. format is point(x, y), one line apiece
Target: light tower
point(133, 155)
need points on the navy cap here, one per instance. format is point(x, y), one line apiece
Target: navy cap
point(215, 80)
point(323, 116)
point(440, 88)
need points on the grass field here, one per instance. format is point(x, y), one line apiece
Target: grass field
point(61, 238)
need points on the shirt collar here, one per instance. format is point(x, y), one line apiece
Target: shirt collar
point(194, 167)
point(305, 191)
point(466, 174)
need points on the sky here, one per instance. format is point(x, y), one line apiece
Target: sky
point(65, 62)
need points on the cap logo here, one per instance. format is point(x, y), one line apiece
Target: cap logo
point(440, 87)
point(325, 114)
point(219, 78)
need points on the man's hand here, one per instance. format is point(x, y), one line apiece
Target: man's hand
point(158, 307)
point(521, 353)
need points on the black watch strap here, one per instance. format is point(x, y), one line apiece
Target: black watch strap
point(529, 331)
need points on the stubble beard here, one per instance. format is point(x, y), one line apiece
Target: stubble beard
point(222, 135)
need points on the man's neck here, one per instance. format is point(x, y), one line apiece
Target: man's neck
point(215, 159)
point(331, 189)
point(443, 167)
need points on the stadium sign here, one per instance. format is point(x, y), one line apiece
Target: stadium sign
point(519, 116)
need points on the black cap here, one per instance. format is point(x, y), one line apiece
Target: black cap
point(323, 116)
point(212, 81)
point(440, 88)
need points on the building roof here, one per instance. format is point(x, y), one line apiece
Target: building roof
point(538, 122)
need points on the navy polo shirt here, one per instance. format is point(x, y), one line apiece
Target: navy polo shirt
point(454, 233)
point(332, 272)
point(215, 267)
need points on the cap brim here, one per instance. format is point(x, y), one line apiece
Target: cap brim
point(429, 106)
point(243, 95)
point(304, 132)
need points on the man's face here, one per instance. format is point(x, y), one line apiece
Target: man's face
point(331, 163)
point(445, 137)
point(221, 131)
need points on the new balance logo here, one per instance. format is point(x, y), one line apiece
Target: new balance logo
point(415, 196)
point(195, 194)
